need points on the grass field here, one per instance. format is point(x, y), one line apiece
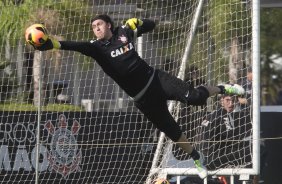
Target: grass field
point(31, 107)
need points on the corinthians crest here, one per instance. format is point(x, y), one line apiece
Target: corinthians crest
point(64, 156)
point(123, 39)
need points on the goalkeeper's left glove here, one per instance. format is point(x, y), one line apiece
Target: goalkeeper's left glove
point(49, 44)
point(133, 23)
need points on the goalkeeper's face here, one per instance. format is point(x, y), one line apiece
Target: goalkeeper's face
point(101, 29)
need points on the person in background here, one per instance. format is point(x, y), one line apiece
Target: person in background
point(246, 101)
point(226, 136)
point(229, 104)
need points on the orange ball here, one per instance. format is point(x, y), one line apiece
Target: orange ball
point(36, 35)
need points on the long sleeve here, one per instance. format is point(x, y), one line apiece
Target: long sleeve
point(86, 48)
point(148, 25)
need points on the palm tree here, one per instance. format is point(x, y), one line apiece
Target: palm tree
point(56, 17)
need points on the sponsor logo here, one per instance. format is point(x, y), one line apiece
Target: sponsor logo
point(122, 50)
point(64, 156)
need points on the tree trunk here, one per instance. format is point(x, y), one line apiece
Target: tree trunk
point(235, 62)
point(8, 50)
point(53, 74)
point(20, 71)
point(39, 90)
point(76, 76)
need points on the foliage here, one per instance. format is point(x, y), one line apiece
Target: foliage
point(221, 22)
point(58, 17)
point(271, 44)
point(69, 14)
point(7, 81)
point(228, 20)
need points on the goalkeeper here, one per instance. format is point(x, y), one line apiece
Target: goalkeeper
point(150, 88)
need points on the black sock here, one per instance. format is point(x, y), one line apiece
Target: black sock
point(195, 155)
point(222, 89)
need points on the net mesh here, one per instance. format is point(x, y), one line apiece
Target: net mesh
point(90, 132)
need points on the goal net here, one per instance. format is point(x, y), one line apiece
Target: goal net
point(63, 120)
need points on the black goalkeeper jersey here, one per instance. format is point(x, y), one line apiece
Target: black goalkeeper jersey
point(118, 57)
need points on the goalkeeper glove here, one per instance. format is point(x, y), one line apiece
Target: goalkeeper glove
point(133, 23)
point(49, 44)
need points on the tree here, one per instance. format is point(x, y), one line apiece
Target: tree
point(230, 29)
point(56, 17)
point(11, 22)
point(271, 45)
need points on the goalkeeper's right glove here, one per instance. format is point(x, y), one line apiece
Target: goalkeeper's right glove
point(133, 23)
point(49, 44)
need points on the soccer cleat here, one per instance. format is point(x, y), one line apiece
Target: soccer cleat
point(233, 89)
point(202, 170)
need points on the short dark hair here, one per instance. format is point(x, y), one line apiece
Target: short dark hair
point(105, 18)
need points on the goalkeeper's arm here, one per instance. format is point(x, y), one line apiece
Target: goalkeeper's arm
point(85, 48)
point(142, 26)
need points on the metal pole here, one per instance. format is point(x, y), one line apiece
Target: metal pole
point(38, 123)
point(256, 83)
point(232, 179)
point(188, 47)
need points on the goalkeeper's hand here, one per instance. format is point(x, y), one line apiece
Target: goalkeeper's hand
point(133, 23)
point(49, 44)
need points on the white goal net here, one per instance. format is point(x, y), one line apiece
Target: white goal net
point(89, 130)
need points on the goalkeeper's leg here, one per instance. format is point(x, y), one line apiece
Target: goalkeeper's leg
point(154, 106)
point(198, 161)
point(176, 89)
point(159, 115)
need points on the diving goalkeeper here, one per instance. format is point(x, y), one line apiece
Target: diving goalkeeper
point(150, 88)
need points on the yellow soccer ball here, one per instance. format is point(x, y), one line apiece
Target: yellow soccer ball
point(36, 35)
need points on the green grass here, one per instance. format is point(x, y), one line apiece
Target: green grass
point(30, 107)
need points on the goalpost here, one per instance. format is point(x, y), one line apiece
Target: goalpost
point(89, 130)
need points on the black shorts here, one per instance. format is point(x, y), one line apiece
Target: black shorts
point(176, 89)
point(154, 101)
point(154, 106)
